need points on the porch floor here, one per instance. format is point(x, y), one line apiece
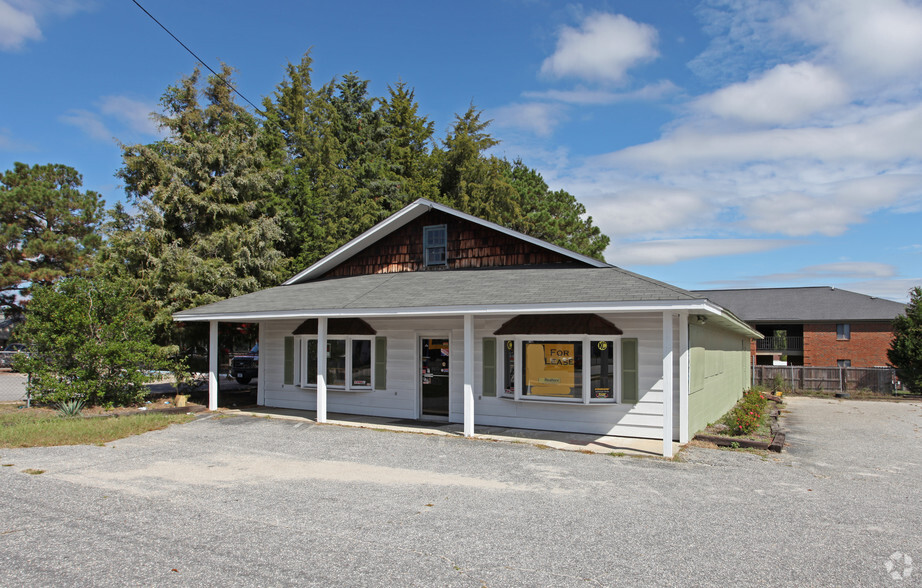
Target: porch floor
point(553, 439)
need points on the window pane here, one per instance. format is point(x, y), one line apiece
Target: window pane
point(435, 241)
point(336, 362)
point(361, 363)
point(843, 332)
point(509, 368)
point(553, 369)
point(312, 362)
point(602, 369)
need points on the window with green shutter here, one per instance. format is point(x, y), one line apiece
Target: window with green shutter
point(289, 360)
point(630, 386)
point(489, 366)
point(380, 363)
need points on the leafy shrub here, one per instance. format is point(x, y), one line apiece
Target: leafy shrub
point(88, 341)
point(744, 418)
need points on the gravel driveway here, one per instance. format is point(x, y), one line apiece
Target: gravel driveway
point(248, 501)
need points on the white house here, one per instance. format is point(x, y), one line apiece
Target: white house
point(438, 315)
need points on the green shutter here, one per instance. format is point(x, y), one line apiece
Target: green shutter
point(630, 387)
point(489, 366)
point(380, 363)
point(289, 360)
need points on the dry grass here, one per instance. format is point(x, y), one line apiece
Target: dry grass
point(36, 427)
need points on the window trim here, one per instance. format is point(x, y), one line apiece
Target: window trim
point(432, 229)
point(349, 387)
point(846, 332)
point(586, 370)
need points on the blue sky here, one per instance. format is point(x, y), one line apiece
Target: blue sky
point(720, 143)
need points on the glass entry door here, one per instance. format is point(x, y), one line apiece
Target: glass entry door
point(434, 382)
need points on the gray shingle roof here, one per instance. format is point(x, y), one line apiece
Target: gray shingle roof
point(481, 287)
point(819, 303)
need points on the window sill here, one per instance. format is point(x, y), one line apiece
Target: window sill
point(330, 389)
point(560, 402)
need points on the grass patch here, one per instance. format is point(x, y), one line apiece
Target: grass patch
point(43, 428)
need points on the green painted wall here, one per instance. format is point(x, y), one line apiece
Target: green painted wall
point(719, 373)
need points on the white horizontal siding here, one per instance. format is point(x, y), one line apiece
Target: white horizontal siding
point(401, 398)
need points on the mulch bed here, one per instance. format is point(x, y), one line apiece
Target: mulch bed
point(772, 442)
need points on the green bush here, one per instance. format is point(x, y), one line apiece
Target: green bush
point(88, 341)
point(745, 417)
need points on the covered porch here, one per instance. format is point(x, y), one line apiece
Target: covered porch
point(302, 383)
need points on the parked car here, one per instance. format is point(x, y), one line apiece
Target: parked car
point(245, 367)
point(11, 351)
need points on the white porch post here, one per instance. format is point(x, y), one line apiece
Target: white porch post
point(668, 388)
point(260, 371)
point(213, 365)
point(683, 377)
point(468, 375)
point(322, 369)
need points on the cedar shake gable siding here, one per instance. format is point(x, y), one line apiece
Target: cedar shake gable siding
point(469, 246)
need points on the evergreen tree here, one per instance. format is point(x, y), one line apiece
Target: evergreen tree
point(49, 228)
point(905, 353)
point(206, 227)
point(407, 148)
point(511, 195)
point(554, 216)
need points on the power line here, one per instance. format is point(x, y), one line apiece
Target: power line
point(197, 58)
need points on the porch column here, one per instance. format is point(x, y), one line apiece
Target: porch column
point(322, 369)
point(668, 389)
point(260, 371)
point(683, 377)
point(468, 375)
point(213, 365)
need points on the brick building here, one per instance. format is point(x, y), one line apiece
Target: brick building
point(815, 326)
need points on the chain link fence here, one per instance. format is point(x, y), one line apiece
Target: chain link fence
point(12, 386)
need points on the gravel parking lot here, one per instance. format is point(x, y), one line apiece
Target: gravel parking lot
point(249, 501)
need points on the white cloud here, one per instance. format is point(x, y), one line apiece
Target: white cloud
point(649, 211)
point(882, 138)
point(133, 113)
point(602, 49)
point(895, 289)
point(669, 251)
point(785, 94)
point(88, 122)
point(16, 27)
point(129, 117)
point(875, 39)
point(19, 19)
point(585, 96)
point(535, 117)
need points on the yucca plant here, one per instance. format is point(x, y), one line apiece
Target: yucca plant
point(70, 408)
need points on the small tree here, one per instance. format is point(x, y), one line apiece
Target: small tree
point(905, 353)
point(88, 341)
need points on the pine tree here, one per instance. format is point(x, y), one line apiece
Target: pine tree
point(206, 228)
point(905, 353)
point(49, 229)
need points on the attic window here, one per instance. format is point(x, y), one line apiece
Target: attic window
point(435, 245)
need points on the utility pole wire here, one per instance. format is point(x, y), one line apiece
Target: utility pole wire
point(197, 58)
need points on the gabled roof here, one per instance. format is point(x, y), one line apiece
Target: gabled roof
point(529, 289)
point(405, 216)
point(798, 305)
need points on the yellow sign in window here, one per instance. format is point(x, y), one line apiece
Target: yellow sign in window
point(551, 369)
